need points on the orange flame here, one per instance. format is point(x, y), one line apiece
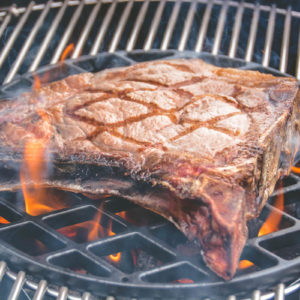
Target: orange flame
point(244, 264)
point(3, 221)
point(94, 231)
point(296, 170)
point(116, 257)
point(270, 225)
point(97, 230)
point(272, 222)
point(34, 166)
point(67, 51)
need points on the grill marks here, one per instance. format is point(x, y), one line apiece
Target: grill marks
point(155, 110)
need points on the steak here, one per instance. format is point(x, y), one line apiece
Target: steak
point(201, 145)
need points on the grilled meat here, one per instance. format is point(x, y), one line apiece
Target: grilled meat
point(202, 146)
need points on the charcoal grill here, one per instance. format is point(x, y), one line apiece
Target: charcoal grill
point(236, 34)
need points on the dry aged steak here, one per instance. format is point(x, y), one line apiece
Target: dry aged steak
point(202, 146)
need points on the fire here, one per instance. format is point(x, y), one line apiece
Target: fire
point(272, 222)
point(92, 230)
point(270, 225)
point(3, 221)
point(115, 258)
point(244, 264)
point(34, 167)
point(67, 51)
point(296, 170)
point(122, 214)
point(96, 230)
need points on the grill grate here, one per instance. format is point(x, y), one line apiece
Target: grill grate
point(59, 253)
point(33, 36)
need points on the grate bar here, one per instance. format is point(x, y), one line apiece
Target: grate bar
point(67, 34)
point(15, 67)
point(269, 37)
point(117, 35)
point(103, 28)
point(5, 23)
point(85, 32)
point(204, 25)
point(256, 295)
point(236, 31)
point(170, 27)
point(279, 294)
point(252, 35)
point(86, 296)
point(2, 269)
point(41, 290)
point(285, 41)
point(220, 28)
point(15, 33)
point(154, 25)
point(63, 293)
point(187, 26)
point(137, 26)
point(48, 37)
point(17, 286)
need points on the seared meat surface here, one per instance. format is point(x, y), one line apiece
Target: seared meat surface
point(200, 145)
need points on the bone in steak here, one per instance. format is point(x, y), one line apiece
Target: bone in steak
point(202, 146)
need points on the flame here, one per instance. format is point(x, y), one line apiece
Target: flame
point(122, 214)
point(296, 170)
point(270, 225)
point(272, 222)
point(116, 257)
point(3, 221)
point(94, 231)
point(97, 230)
point(37, 199)
point(67, 51)
point(244, 264)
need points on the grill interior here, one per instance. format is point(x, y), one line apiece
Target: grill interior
point(156, 257)
point(34, 37)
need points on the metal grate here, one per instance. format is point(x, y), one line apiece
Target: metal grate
point(275, 263)
point(36, 35)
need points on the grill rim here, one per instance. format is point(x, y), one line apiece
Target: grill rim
point(172, 54)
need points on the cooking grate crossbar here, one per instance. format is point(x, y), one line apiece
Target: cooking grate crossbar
point(40, 42)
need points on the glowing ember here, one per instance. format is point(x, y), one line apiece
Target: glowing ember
point(69, 49)
point(3, 221)
point(244, 264)
point(184, 280)
point(272, 222)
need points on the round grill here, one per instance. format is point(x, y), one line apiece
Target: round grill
point(157, 260)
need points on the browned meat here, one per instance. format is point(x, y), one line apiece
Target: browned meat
point(200, 145)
